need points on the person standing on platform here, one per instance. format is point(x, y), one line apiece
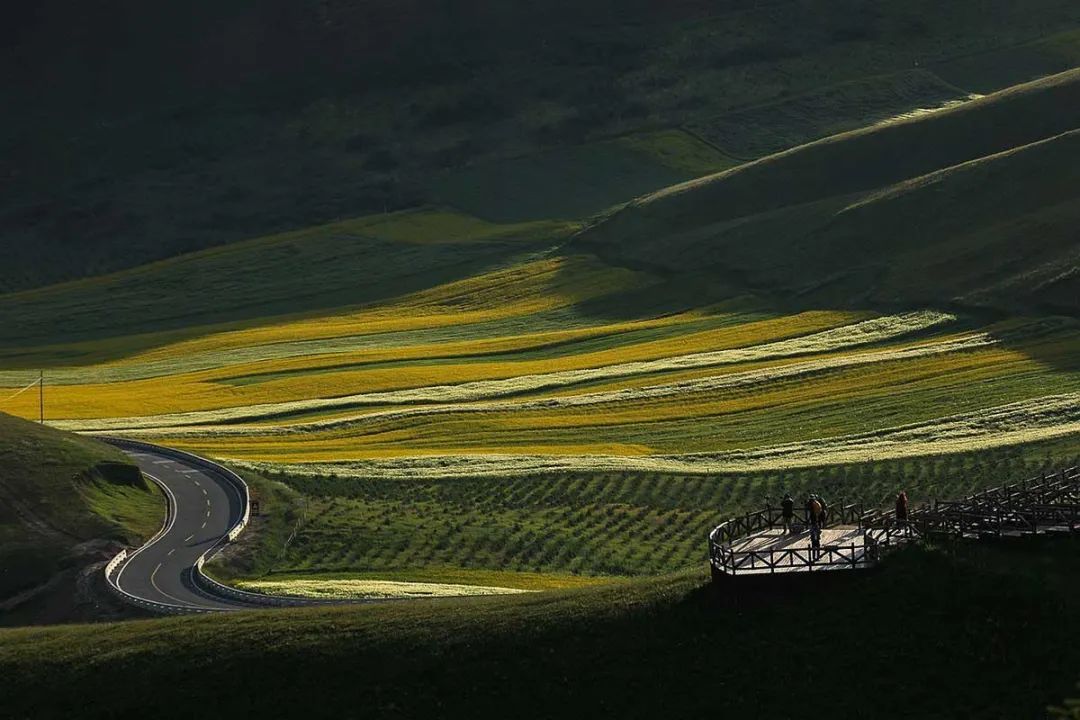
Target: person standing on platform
point(787, 512)
point(902, 509)
point(814, 515)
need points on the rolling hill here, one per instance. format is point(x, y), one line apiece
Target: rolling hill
point(973, 205)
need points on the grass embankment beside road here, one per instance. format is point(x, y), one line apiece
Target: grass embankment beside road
point(903, 642)
point(58, 490)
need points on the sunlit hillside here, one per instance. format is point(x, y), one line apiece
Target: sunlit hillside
point(528, 354)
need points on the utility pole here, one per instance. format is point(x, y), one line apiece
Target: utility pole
point(41, 396)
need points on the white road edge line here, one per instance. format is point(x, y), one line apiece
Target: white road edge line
point(172, 519)
point(153, 582)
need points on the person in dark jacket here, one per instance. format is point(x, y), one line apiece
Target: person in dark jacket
point(815, 516)
point(787, 512)
point(902, 509)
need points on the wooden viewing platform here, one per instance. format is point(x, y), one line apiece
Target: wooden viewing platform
point(853, 539)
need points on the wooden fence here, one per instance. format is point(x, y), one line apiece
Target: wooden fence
point(1043, 504)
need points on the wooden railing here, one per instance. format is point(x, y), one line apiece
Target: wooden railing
point(1027, 507)
point(732, 561)
point(794, 559)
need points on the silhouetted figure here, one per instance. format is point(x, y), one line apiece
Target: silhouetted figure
point(824, 510)
point(902, 509)
point(814, 516)
point(787, 512)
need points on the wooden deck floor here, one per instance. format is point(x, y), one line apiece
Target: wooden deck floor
point(778, 540)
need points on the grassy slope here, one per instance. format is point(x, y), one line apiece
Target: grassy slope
point(906, 642)
point(866, 212)
point(57, 490)
point(349, 262)
point(578, 181)
point(775, 126)
point(185, 138)
point(1014, 64)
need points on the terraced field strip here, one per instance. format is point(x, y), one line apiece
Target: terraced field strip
point(588, 368)
point(682, 391)
point(341, 589)
point(1036, 420)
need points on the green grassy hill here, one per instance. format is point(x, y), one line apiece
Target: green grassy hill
point(58, 490)
point(356, 261)
point(974, 203)
point(137, 134)
point(939, 633)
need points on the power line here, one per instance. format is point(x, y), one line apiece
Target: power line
point(17, 393)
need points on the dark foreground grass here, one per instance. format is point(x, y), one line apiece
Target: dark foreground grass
point(949, 632)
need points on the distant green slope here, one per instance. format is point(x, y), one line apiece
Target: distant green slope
point(355, 261)
point(761, 130)
point(965, 631)
point(976, 203)
point(57, 490)
point(137, 131)
point(580, 180)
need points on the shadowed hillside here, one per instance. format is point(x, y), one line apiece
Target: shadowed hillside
point(140, 130)
point(975, 204)
point(666, 647)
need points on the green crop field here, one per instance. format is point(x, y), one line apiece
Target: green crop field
point(603, 525)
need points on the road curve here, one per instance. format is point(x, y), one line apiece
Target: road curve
point(203, 507)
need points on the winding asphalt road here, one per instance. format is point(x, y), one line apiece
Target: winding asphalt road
point(204, 507)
